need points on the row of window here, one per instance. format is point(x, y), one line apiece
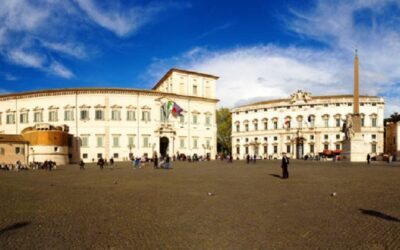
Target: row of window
point(99, 115)
point(311, 138)
point(100, 155)
point(290, 149)
point(310, 124)
point(306, 106)
point(195, 143)
point(195, 92)
point(17, 150)
point(116, 141)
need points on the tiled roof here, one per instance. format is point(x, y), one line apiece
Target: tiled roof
point(11, 138)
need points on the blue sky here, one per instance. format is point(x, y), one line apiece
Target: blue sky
point(260, 49)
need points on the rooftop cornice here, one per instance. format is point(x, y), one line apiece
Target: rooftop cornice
point(79, 91)
point(169, 73)
point(286, 101)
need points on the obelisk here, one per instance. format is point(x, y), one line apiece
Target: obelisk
point(356, 97)
point(355, 147)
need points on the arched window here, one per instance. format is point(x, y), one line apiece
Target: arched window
point(237, 124)
point(275, 122)
point(246, 125)
point(311, 121)
point(287, 123)
point(299, 121)
point(374, 120)
point(255, 124)
point(325, 118)
point(337, 120)
point(265, 122)
point(362, 116)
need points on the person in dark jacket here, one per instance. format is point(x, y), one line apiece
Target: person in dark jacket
point(368, 158)
point(100, 162)
point(167, 160)
point(82, 164)
point(285, 164)
point(155, 159)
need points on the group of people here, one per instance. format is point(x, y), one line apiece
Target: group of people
point(161, 162)
point(250, 158)
point(47, 165)
point(13, 167)
point(191, 158)
point(158, 162)
point(101, 163)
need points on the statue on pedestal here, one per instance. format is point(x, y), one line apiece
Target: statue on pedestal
point(347, 128)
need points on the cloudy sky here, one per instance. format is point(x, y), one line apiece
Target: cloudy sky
point(260, 49)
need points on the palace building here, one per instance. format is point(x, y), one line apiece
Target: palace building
point(178, 115)
point(303, 125)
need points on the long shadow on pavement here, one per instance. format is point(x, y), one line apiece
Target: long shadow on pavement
point(275, 175)
point(379, 215)
point(15, 226)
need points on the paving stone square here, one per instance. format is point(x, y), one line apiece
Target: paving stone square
point(204, 205)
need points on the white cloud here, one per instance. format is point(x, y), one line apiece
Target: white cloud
point(2, 35)
point(69, 48)
point(32, 33)
point(22, 15)
point(10, 77)
point(26, 59)
point(116, 19)
point(264, 72)
point(270, 71)
point(58, 69)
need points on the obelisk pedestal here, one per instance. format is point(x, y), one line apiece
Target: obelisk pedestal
point(355, 149)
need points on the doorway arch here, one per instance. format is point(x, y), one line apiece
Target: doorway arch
point(164, 142)
point(299, 147)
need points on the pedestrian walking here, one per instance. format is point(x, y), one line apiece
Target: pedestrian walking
point(284, 165)
point(137, 162)
point(155, 159)
point(112, 163)
point(100, 162)
point(368, 159)
point(248, 159)
point(254, 158)
point(82, 165)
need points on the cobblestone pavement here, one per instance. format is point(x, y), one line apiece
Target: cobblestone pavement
point(251, 207)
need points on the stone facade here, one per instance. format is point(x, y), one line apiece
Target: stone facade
point(303, 125)
point(47, 143)
point(13, 148)
point(120, 123)
point(392, 142)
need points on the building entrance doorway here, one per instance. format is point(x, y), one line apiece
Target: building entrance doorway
point(164, 142)
point(299, 148)
point(256, 150)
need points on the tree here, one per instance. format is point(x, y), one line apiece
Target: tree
point(224, 125)
point(395, 117)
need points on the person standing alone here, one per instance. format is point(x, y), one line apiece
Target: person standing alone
point(285, 164)
point(368, 158)
point(155, 159)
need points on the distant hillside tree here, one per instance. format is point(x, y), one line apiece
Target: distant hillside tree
point(224, 124)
